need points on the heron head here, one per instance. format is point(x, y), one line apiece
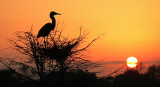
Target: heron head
point(54, 13)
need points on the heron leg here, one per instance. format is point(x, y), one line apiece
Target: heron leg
point(44, 41)
point(47, 41)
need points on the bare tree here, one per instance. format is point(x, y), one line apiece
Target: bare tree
point(53, 53)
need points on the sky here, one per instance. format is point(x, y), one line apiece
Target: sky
point(132, 27)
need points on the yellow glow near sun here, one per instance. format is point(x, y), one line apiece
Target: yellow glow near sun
point(132, 62)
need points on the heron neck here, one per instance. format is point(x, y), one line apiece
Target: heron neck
point(53, 20)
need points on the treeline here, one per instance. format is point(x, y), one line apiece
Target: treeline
point(80, 78)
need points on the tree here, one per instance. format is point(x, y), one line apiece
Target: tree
point(153, 72)
point(48, 55)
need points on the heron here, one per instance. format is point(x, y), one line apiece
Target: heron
point(46, 29)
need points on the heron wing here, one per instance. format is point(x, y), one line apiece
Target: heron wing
point(45, 30)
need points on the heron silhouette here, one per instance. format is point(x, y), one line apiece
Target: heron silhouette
point(46, 29)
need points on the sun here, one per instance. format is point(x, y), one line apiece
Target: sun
point(132, 62)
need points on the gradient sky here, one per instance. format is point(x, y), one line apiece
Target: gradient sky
point(132, 27)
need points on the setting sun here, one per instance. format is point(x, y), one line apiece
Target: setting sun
point(132, 62)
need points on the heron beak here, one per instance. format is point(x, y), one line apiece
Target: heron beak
point(58, 14)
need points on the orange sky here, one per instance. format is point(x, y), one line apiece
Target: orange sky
point(132, 27)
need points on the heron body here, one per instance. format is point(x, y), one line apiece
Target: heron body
point(46, 29)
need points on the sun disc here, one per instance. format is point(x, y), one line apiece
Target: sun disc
point(132, 62)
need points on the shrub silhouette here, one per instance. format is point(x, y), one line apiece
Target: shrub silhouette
point(132, 78)
point(153, 72)
point(81, 78)
point(7, 79)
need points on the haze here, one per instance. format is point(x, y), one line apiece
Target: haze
point(132, 26)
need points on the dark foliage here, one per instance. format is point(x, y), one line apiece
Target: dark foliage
point(132, 78)
point(80, 78)
point(7, 79)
